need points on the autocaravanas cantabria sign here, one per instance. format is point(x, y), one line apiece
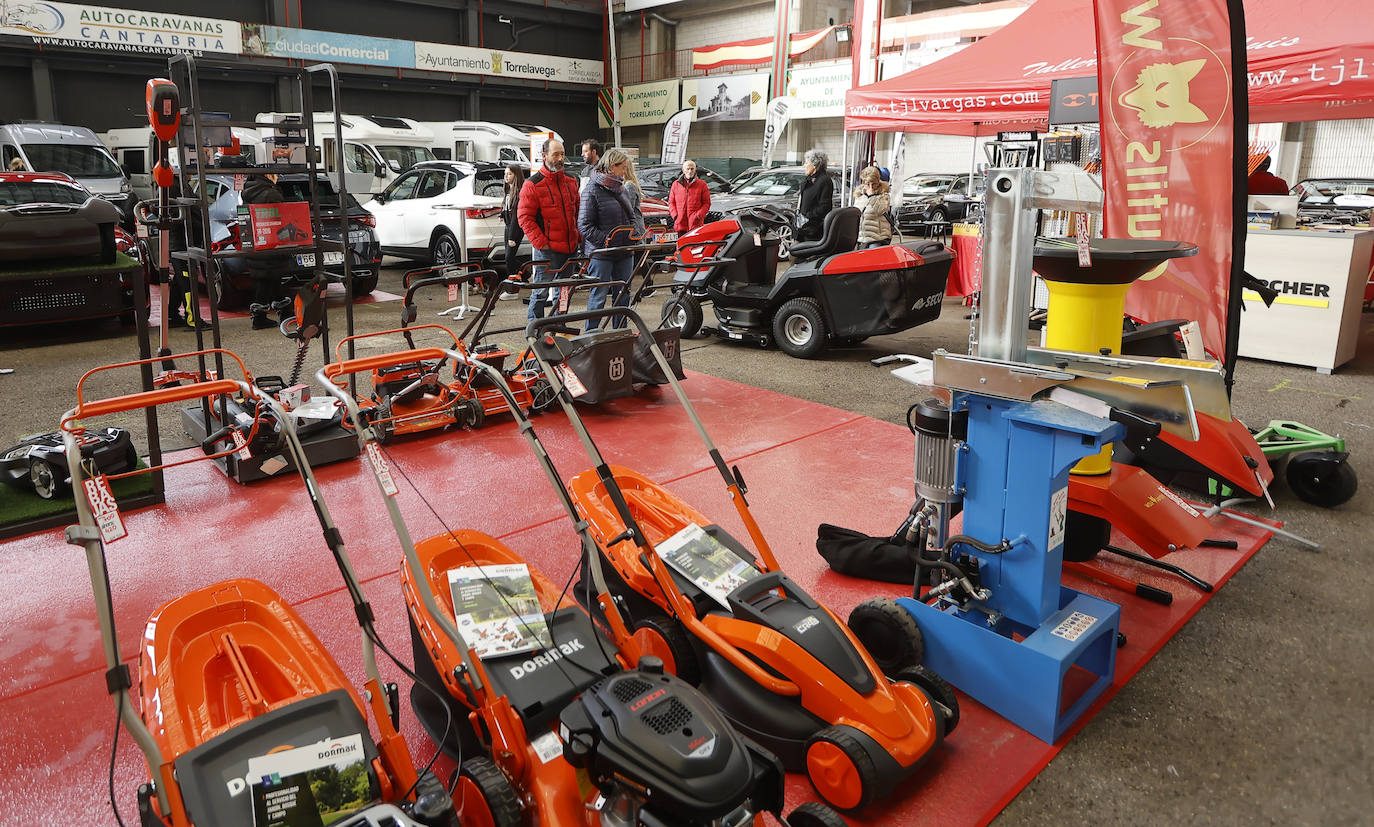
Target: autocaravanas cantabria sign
point(1165, 81)
point(117, 29)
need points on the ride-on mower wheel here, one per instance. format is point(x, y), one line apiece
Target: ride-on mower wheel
point(889, 633)
point(815, 814)
point(683, 312)
point(937, 689)
point(799, 328)
point(484, 796)
point(662, 637)
point(840, 768)
point(1321, 478)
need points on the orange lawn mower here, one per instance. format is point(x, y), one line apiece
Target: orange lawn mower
point(563, 725)
point(236, 703)
point(784, 669)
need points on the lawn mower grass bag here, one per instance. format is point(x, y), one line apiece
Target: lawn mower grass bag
point(907, 293)
point(645, 370)
point(593, 366)
point(858, 555)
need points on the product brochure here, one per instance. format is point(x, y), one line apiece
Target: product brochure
point(497, 610)
point(310, 786)
point(702, 559)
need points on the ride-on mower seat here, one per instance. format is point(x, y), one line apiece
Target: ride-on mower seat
point(839, 234)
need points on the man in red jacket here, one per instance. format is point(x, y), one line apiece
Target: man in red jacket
point(548, 215)
point(689, 200)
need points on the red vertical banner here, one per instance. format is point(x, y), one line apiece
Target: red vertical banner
point(1168, 149)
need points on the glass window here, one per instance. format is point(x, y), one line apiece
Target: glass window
point(462, 151)
point(358, 159)
point(134, 162)
point(77, 160)
point(404, 188)
point(14, 193)
point(404, 157)
point(433, 184)
point(960, 187)
point(510, 153)
point(11, 152)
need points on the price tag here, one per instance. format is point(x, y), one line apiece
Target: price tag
point(242, 444)
point(547, 747)
point(564, 298)
point(239, 180)
point(453, 292)
point(758, 240)
point(1085, 256)
point(141, 230)
point(570, 380)
point(104, 507)
point(374, 455)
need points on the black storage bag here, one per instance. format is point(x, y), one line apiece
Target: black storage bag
point(859, 555)
point(646, 369)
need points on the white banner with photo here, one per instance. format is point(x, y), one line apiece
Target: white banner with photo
point(727, 97)
point(817, 90)
point(118, 29)
point(644, 104)
point(466, 60)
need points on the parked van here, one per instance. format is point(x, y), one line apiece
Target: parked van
point(479, 141)
point(75, 150)
point(135, 150)
point(376, 148)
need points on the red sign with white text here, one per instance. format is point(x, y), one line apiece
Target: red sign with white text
point(281, 225)
point(1164, 72)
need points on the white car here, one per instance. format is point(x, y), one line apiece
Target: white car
point(420, 213)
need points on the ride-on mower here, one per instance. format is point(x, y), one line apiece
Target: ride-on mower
point(783, 668)
point(832, 294)
point(548, 700)
point(235, 700)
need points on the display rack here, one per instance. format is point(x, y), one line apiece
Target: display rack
point(323, 446)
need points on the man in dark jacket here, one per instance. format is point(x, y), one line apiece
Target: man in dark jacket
point(267, 271)
point(548, 215)
point(817, 197)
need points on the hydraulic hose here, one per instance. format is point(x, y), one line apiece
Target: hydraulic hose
point(1000, 548)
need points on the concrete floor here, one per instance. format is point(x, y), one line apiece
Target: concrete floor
point(1257, 712)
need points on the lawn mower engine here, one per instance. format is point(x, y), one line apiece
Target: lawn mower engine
point(660, 754)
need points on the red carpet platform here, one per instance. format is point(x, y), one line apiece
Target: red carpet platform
point(805, 464)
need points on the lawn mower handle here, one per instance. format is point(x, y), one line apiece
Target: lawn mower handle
point(528, 267)
point(384, 360)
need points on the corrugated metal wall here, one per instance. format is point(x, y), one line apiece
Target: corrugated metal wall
point(1338, 148)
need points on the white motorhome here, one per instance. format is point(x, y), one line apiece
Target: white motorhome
point(75, 150)
point(376, 148)
point(135, 149)
point(479, 141)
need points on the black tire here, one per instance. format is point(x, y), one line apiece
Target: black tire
point(670, 642)
point(469, 413)
point(46, 481)
point(937, 689)
point(1084, 536)
point(433, 806)
point(815, 814)
point(1319, 480)
point(799, 328)
point(480, 776)
point(227, 295)
point(542, 396)
point(683, 312)
point(364, 284)
point(939, 214)
point(840, 769)
point(889, 633)
point(444, 250)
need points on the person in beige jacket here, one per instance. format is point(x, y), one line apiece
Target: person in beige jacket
point(872, 200)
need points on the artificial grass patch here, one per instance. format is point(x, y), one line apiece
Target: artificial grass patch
point(65, 267)
point(20, 505)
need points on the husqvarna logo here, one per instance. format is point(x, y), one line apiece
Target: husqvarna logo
point(670, 349)
point(617, 368)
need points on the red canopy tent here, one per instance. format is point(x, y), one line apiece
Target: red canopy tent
point(1308, 62)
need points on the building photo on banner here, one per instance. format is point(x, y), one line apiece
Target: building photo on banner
point(940, 413)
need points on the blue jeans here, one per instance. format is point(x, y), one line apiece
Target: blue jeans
point(539, 299)
point(615, 272)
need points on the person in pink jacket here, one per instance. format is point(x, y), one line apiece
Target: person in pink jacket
point(689, 199)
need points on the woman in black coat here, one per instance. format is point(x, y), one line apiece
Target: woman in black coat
point(515, 178)
point(817, 198)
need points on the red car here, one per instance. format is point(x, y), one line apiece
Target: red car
point(58, 245)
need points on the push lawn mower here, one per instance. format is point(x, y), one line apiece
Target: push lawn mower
point(782, 667)
point(548, 705)
point(236, 699)
point(831, 294)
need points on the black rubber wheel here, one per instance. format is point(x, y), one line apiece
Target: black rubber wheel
point(683, 312)
point(444, 250)
point(939, 214)
point(937, 689)
point(1320, 480)
point(815, 814)
point(47, 483)
point(364, 284)
point(1084, 536)
point(468, 413)
point(799, 328)
point(485, 796)
point(889, 633)
point(840, 769)
point(663, 637)
point(227, 295)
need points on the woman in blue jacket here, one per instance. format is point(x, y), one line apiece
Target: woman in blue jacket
point(609, 217)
